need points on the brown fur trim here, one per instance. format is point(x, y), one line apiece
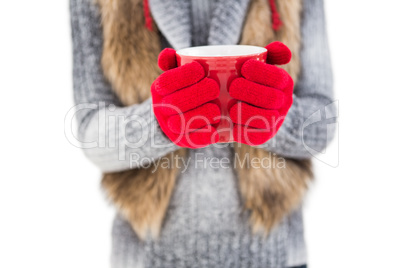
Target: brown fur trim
point(257, 30)
point(289, 33)
point(269, 194)
point(130, 50)
point(129, 62)
point(142, 197)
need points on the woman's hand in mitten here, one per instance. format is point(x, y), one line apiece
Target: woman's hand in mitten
point(184, 102)
point(262, 97)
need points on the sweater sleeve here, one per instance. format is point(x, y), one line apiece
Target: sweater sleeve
point(113, 137)
point(308, 127)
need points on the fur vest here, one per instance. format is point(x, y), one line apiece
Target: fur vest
point(129, 62)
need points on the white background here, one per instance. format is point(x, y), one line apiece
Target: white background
point(53, 214)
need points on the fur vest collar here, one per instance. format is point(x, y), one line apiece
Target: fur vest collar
point(129, 62)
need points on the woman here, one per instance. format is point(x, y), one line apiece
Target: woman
point(176, 207)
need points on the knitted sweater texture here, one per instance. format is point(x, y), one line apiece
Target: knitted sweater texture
point(204, 225)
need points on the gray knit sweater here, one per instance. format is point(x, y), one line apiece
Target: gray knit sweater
point(204, 226)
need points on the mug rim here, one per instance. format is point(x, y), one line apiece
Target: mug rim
point(231, 51)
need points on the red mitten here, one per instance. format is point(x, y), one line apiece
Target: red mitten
point(262, 97)
point(185, 102)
